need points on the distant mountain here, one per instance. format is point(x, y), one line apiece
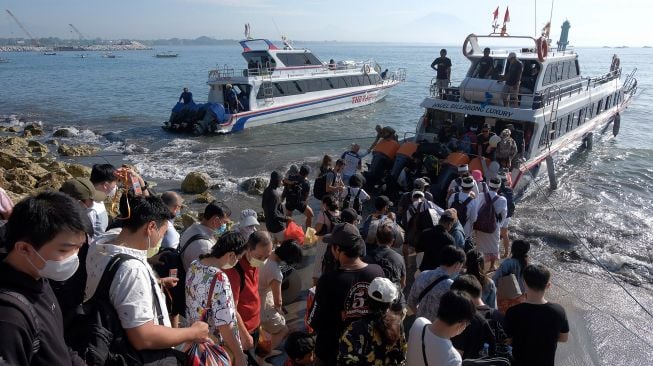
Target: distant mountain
point(199, 41)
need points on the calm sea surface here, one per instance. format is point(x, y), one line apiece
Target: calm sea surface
point(604, 196)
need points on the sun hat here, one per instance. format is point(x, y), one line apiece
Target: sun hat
point(248, 217)
point(383, 290)
point(505, 133)
point(82, 189)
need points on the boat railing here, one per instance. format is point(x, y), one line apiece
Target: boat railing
point(227, 71)
point(397, 75)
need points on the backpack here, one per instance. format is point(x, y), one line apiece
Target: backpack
point(333, 220)
point(422, 218)
point(294, 193)
point(371, 226)
point(487, 216)
point(319, 186)
point(356, 205)
point(20, 302)
point(101, 340)
point(171, 259)
point(461, 208)
point(503, 349)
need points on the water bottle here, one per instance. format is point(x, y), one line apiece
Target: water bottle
point(485, 352)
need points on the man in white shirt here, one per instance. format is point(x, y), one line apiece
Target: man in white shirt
point(456, 184)
point(488, 243)
point(83, 191)
point(430, 343)
point(174, 202)
point(104, 179)
point(135, 290)
point(213, 224)
point(352, 161)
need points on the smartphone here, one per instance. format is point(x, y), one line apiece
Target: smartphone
point(136, 185)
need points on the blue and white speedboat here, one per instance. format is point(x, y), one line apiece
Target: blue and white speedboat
point(279, 85)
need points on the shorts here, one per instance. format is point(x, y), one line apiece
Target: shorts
point(489, 257)
point(442, 83)
point(271, 321)
point(299, 206)
point(509, 91)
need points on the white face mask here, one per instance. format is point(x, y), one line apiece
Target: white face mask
point(255, 262)
point(113, 191)
point(152, 251)
point(58, 270)
point(230, 265)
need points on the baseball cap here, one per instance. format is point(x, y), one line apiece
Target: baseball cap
point(82, 189)
point(381, 202)
point(477, 175)
point(420, 183)
point(349, 215)
point(383, 290)
point(248, 217)
point(344, 235)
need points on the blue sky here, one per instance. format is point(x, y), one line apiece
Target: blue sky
point(435, 21)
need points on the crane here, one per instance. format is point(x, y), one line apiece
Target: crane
point(34, 40)
point(81, 36)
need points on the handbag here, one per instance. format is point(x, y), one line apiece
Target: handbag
point(294, 232)
point(207, 353)
point(508, 287)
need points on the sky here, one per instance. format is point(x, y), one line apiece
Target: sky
point(594, 22)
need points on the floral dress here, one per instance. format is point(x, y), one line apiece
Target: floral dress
point(223, 309)
point(362, 344)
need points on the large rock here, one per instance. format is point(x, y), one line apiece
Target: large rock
point(205, 197)
point(53, 180)
point(9, 160)
point(79, 170)
point(36, 171)
point(32, 130)
point(255, 186)
point(14, 129)
point(13, 144)
point(77, 150)
point(19, 188)
point(37, 148)
point(65, 132)
point(195, 183)
point(20, 176)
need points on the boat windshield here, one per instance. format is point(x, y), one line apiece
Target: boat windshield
point(299, 59)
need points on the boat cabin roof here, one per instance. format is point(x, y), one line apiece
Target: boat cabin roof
point(288, 57)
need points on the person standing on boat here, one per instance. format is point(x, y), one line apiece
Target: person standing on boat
point(512, 80)
point(485, 65)
point(232, 99)
point(506, 150)
point(186, 96)
point(483, 142)
point(442, 65)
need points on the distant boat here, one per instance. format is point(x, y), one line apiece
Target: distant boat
point(166, 54)
point(50, 53)
point(109, 55)
point(81, 55)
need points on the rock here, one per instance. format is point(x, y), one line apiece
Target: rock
point(217, 186)
point(9, 160)
point(36, 171)
point(57, 165)
point(20, 176)
point(65, 132)
point(3, 128)
point(53, 180)
point(205, 197)
point(19, 188)
point(187, 220)
point(15, 197)
point(37, 148)
point(32, 130)
point(77, 150)
point(79, 170)
point(254, 186)
point(13, 143)
point(195, 182)
point(52, 142)
point(14, 129)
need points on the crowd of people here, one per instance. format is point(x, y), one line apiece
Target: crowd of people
point(396, 281)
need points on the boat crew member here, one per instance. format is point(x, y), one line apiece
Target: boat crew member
point(186, 96)
point(332, 64)
point(384, 74)
point(512, 80)
point(232, 99)
point(485, 65)
point(442, 65)
point(383, 154)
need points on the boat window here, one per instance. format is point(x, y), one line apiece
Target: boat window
point(581, 116)
point(329, 83)
point(279, 90)
point(300, 85)
point(570, 122)
point(598, 108)
point(298, 59)
point(607, 101)
point(576, 68)
point(354, 81)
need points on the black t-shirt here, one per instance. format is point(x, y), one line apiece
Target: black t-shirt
point(471, 340)
point(534, 330)
point(483, 142)
point(431, 241)
point(300, 186)
point(340, 298)
point(514, 73)
point(442, 64)
point(392, 264)
point(484, 66)
point(275, 217)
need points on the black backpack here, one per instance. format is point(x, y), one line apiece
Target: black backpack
point(461, 208)
point(22, 304)
point(333, 221)
point(294, 192)
point(420, 220)
point(356, 205)
point(319, 186)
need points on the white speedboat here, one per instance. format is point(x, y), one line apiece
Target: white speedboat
point(279, 85)
point(557, 106)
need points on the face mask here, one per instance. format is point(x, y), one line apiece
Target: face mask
point(58, 270)
point(113, 191)
point(255, 262)
point(247, 231)
point(178, 214)
point(219, 231)
point(229, 265)
point(152, 251)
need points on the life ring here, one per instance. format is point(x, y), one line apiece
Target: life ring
point(468, 51)
point(542, 48)
point(366, 69)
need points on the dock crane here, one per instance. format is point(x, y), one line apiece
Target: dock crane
point(81, 36)
point(35, 41)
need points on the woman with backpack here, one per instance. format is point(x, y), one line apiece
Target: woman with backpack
point(209, 295)
point(513, 266)
point(354, 195)
point(326, 220)
point(474, 264)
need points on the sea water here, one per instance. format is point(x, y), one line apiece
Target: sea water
point(603, 202)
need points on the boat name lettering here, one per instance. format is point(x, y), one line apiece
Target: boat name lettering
point(472, 108)
point(361, 98)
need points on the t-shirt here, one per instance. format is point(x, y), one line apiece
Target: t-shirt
point(471, 340)
point(392, 264)
point(484, 66)
point(197, 247)
point(534, 329)
point(431, 241)
point(352, 160)
point(101, 219)
point(439, 351)
point(430, 303)
point(340, 298)
point(354, 191)
point(275, 218)
point(171, 237)
point(514, 73)
point(270, 271)
point(223, 308)
point(442, 64)
point(247, 300)
point(362, 342)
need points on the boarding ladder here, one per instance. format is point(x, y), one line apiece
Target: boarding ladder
point(552, 97)
point(267, 87)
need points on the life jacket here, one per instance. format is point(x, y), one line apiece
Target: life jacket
point(457, 159)
point(408, 148)
point(387, 147)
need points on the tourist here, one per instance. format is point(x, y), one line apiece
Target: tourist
point(213, 223)
point(406, 199)
point(84, 191)
point(381, 216)
point(378, 336)
point(429, 286)
point(483, 142)
point(384, 74)
point(536, 326)
point(456, 184)
point(334, 183)
point(431, 241)
point(296, 191)
point(390, 261)
point(326, 165)
point(429, 341)
point(207, 283)
point(327, 219)
point(488, 243)
point(270, 278)
point(275, 218)
point(300, 348)
point(485, 65)
point(518, 136)
point(353, 162)
point(513, 266)
point(248, 223)
point(137, 299)
point(512, 80)
point(43, 235)
point(466, 205)
point(442, 65)
point(336, 304)
point(104, 179)
point(475, 266)
point(506, 192)
point(174, 202)
point(457, 231)
point(332, 64)
point(244, 279)
point(506, 150)
point(186, 96)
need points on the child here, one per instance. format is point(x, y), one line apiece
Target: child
point(300, 347)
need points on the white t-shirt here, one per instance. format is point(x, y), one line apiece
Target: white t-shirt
point(171, 237)
point(270, 271)
point(101, 218)
point(439, 351)
point(351, 163)
point(197, 247)
point(131, 290)
point(472, 211)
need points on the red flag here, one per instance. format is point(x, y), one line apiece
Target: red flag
point(496, 13)
point(506, 18)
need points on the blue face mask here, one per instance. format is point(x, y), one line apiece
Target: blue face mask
point(178, 213)
point(219, 231)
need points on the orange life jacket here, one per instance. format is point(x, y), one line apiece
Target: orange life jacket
point(387, 147)
point(407, 148)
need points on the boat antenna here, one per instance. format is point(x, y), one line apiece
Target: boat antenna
point(535, 20)
point(551, 15)
point(287, 43)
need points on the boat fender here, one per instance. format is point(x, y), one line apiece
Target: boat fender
point(588, 140)
point(542, 48)
point(616, 124)
point(468, 50)
point(366, 69)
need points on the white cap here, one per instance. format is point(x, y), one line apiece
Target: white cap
point(248, 217)
point(463, 168)
point(494, 140)
point(494, 183)
point(383, 290)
